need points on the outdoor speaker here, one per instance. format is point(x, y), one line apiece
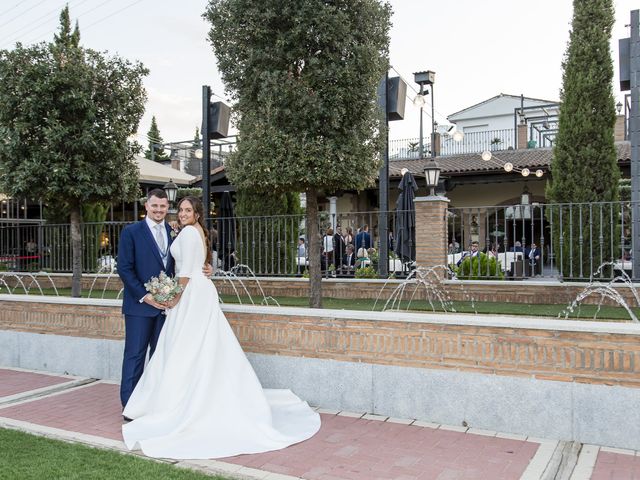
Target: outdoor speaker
point(624, 56)
point(396, 95)
point(219, 115)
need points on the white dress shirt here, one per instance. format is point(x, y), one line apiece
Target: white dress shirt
point(152, 227)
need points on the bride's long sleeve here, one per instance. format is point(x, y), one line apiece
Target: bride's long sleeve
point(191, 253)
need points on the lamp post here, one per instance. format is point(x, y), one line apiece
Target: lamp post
point(172, 191)
point(215, 125)
point(419, 102)
point(426, 78)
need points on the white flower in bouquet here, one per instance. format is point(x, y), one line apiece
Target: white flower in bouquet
point(163, 288)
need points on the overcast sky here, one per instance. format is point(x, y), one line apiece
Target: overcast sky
point(478, 49)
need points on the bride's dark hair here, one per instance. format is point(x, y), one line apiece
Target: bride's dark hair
point(198, 210)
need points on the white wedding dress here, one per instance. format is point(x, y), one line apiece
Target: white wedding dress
point(199, 396)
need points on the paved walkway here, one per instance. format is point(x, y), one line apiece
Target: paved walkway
point(349, 446)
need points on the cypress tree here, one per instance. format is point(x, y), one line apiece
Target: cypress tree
point(584, 167)
point(155, 142)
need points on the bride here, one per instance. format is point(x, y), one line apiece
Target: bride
point(199, 397)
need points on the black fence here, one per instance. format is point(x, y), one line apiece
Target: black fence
point(568, 241)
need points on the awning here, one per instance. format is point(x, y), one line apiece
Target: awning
point(154, 172)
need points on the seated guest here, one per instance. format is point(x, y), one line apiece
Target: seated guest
point(533, 256)
point(474, 250)
point(517, 247)
point(363, 258)
point(349, 260)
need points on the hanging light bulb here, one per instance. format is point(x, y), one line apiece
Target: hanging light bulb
point(486, 155)
point(457, 136)
point(525, 172)
point(508, 167)
point(419, 101)
point(539, 173)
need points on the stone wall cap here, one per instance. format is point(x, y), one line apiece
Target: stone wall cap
point(431, 198)
point(98, 302)
point(499, 321)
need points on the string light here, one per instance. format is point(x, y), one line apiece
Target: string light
point(487, 156)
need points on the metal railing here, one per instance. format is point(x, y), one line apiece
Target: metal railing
point(572, 242)
point(569, 241)
point(473, 142)
point(271, 246)
point(36, 245)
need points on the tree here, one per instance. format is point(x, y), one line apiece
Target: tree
point(155, 151)
point(303, 76)
point(66, 113)
point(584, 166)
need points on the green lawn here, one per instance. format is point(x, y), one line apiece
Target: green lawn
point(497, 308)
point(585, 312)
point(26, 457)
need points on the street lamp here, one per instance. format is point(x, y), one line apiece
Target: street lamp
point(419, 102)
point(426, 78)
point(432, 175)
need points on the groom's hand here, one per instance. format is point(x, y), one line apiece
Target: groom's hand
point(148, 298)
point(207, 270)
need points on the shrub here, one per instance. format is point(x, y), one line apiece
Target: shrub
point(366, 272)
point(480, 266)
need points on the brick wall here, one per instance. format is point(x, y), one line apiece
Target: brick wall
point(583, 352)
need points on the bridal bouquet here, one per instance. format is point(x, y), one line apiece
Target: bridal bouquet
point(163, 287)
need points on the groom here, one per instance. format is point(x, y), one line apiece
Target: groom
point(143, 252)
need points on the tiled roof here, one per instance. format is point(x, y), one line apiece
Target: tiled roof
point(472, 163)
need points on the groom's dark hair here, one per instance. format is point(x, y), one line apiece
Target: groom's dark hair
point(156, 192)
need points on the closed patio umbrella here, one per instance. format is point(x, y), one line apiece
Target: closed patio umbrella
point(226, 232)
point(405, 223)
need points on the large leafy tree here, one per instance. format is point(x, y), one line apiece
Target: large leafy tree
point(584, 167)
point(155, 150)
point(66, 113)
point(303, 76)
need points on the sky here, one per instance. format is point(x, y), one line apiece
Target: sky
point(478, 49)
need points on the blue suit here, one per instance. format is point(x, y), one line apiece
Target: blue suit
point(139, 259)
point(363, 240)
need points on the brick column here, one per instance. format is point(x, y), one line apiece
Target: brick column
point(431, 231)
point(522, 136)
point(618, 129)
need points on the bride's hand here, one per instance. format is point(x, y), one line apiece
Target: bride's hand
point(207, 270)
point(173, 302)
